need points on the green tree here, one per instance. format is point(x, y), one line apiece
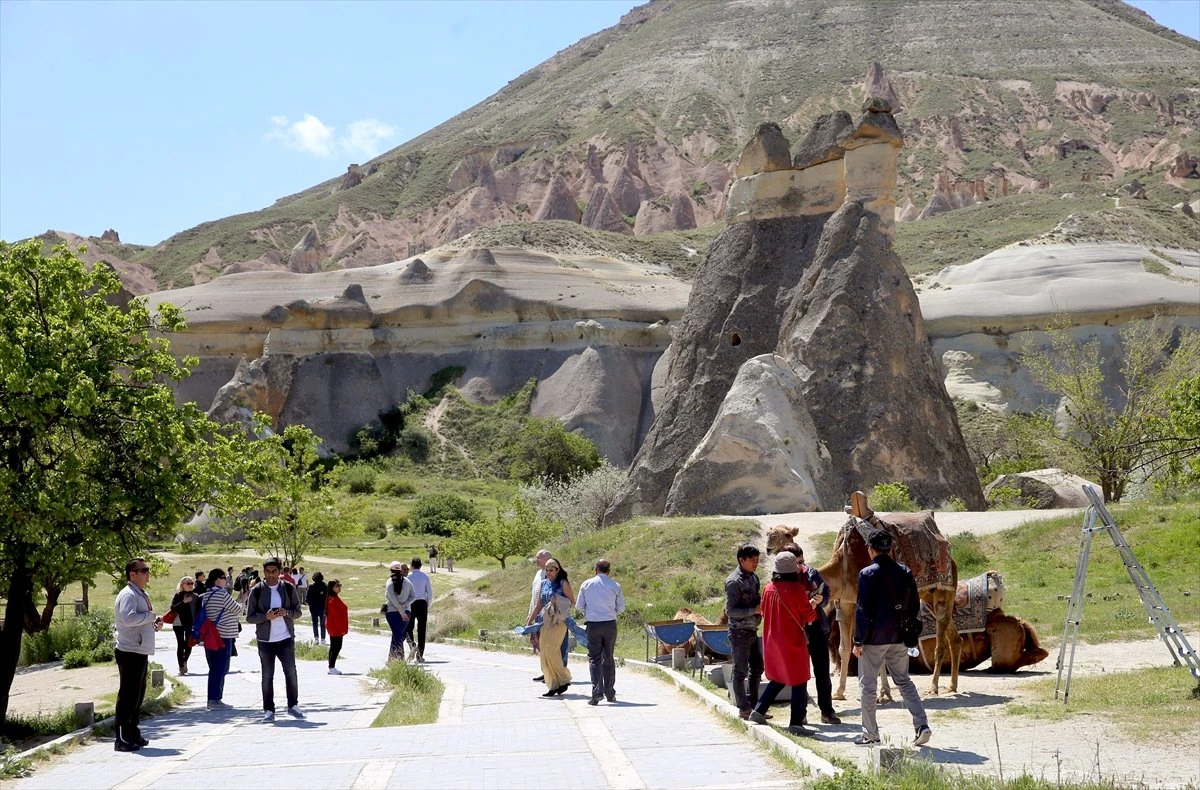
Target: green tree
point(290, 503)
point(1116, 437)
point(1176, 453)
point(433, 513)
point(97, 454)
point(548, 452)
point(513, 534)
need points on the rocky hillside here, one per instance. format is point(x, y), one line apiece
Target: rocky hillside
point(631, 132)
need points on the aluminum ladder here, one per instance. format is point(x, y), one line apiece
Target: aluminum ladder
point(1160, 616)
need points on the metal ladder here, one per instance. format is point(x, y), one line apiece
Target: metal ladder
point(1181, 652)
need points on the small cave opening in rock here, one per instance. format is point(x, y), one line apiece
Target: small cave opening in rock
point(735, 339)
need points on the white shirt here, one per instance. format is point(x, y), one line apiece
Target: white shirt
point(279, 629)
point(421, 585)
point(536, 597)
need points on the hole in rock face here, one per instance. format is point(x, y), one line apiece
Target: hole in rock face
point(735, 340)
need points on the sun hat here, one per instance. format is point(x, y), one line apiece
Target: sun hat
point(396, 565)
point(785, 562)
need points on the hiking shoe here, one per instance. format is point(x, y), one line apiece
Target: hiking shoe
point(295, 712)
point(757, 717)
point(866, 740)
point(335, 671)
point(830, 718)
point(268, 717)
point(923, 735)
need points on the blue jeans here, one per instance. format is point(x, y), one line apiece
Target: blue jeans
point(399, 628)
point(218, 668)
point(285, 651)
point(318, 620)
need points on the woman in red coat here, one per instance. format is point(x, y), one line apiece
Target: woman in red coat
point(786, 609)
point(337, 623)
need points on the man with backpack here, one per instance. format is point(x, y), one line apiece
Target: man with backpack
point(272, 608)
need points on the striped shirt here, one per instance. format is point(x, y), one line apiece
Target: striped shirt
point(218, 600)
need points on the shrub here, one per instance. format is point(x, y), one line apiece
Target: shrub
point(375, 527)
point(86, 633)
point(578, 505)
point(74, 659)
point(1007, 498)
point(433, 512)
point(547, 451)
point(891, 498)
point(189, 547)
point(415, 441)
point(398, 488)
point(359, 479)
point(103, 654)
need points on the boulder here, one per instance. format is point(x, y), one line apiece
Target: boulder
point(305, 257)
point(1050, 488)
point(767, 150)
point(559, 202)
point(1031, 493)
point(1183, 167)
point(820, 144)
point(761, 454)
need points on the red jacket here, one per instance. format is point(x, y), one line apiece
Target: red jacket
point(337, 616)
point(786, 610)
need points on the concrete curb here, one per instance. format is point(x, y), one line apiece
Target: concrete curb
point(765, 735)
point(71, 737)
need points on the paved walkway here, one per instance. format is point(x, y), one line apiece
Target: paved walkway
point(493, 731)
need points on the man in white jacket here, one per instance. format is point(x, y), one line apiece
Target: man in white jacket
point(136, 624)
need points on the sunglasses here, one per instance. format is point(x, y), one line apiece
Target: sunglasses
point(140, 570)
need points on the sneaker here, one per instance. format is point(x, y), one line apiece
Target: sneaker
point(295, 712)
point(923, 735)
point(757, 717)
point(124, 746)
point(594, 701)
point(866, 740)
point(268, 717)
point(830, 718)
point(335, 671)
point(216, 704)
point(613, 698)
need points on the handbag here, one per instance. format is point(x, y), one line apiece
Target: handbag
point(169, 617)
point(204, 630)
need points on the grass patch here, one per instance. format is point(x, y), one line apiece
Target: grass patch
point(1155, 266)
point(919, 774)
point(1151, 703)
point(311, 651)
point(661, 564)
point(416, 697)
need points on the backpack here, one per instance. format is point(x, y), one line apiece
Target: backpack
point(204, 630)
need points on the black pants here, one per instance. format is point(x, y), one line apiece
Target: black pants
point(182, 649)
point(318, 622)
point(285, 651)
point(132, 669)
point(818, 651)
point(420, 619)
point(335, 647)
point(747, 667)
point(602, 640)
point(799, 701)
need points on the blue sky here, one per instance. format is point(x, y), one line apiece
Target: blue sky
point(151, 118)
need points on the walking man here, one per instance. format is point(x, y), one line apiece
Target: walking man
point(535, 598)
point(423, 589)
point(433, 554)
point(743, 604)
point(600, 600)
point(886, 594)
point(136, 624)
point(272, 608)
point(817, 633)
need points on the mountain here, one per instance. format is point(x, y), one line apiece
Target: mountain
point(1008, 104)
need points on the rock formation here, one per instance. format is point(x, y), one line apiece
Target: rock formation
point(112, 235)
point(877, 85)
point(603, 213)
point(805, 271)
point(559, 202)
point(306, 255)
point(1043, 488)
point(352, 178)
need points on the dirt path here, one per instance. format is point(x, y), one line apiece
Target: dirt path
point(433, 422)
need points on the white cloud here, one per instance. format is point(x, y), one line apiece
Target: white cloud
point(362, 140)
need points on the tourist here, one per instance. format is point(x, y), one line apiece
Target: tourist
point(184, 605)
point(433, 555)
point(601, 601)
point(423, 589)
point(201, 586)
point(554, 604)
point(221, 608)
point(136, 625)
point(818, 637)
point(886, 593)
point(786, 611)
point(399, 594)
point(315, 597)
point(273, 607)
point(338, 622)
point(535, 597)
point(742, 605)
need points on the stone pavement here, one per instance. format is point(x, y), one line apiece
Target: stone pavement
point(493, 731)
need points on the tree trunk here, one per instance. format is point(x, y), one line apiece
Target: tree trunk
point(87, 607)
point(53, 593)
point(502, 559)
point(19, 590)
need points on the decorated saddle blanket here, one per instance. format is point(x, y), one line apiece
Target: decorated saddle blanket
point(917, 543)
point(970, 607)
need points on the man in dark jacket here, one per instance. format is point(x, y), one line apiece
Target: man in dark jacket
point(743, 605)
point(272, 609)
point(886, 594)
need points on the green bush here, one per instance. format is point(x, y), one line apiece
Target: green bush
point(103, 654)
point(1007, 498)
point(891, 498)
point(359, 479)
point(375, 527)
point(86, 633)
point(74, 659)
point(189, 547)
point(546, 451)
point(415, 441)
point(433, 512)
point(398, 488)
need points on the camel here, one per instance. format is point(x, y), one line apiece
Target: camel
point(850, 556)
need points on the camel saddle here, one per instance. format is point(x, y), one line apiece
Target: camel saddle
point(970, 608)
point(916, 542)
